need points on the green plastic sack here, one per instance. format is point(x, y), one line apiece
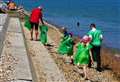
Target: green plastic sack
point(27, 23)
point(82, 55)
point(26, 17)
point(77, 54)
point(66, 46)
point(43, 33)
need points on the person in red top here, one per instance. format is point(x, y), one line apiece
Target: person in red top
point(35, 16)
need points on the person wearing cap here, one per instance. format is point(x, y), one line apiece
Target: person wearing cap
point(64, 35)
point(65, 32)
point(96, 41)
point(35, 16)
point(83, 55)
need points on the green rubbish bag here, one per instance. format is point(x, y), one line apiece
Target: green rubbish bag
point(62, 49)
point(43, 33)
point(27, 23)
point(26, 17)
point(80, 47)
point(82, 55)
point(66, 46)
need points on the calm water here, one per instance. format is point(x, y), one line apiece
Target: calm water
point(105, 13)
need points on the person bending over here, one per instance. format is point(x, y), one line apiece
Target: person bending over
point(35, 16)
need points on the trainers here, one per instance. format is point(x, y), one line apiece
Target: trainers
point(99, 69)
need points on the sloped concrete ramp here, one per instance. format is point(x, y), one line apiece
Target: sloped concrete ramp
point(44, 66)
point(16, 48)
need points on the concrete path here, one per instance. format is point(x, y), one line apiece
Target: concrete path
point(3, 27)
point(45, 67)
point(16, 48)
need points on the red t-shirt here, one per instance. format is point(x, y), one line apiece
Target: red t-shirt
point(35, 15)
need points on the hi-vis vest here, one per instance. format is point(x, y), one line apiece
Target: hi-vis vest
point(96, 39)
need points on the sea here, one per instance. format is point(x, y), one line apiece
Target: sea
point(66, 13)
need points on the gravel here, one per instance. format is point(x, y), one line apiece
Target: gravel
point(7, 62)
point(68, 69)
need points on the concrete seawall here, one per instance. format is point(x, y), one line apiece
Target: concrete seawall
point(4, 19)
point(14, 54)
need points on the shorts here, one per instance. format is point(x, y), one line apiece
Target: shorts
point(34, 24)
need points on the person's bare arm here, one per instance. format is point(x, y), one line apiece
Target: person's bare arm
point(101, 37)
point(41, 20)
point(91, 56)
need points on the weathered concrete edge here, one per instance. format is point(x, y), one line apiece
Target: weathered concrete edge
point(5, 26)
point(22, 53)
point(34, 75)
